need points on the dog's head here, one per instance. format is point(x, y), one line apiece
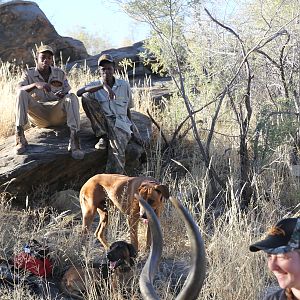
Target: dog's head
point(153, 193)
point(121, 254)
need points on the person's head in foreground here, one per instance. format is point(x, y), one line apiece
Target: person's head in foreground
point(282, 245)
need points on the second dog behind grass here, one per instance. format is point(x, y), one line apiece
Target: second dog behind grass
point(115, 275)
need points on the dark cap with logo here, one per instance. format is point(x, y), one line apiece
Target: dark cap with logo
point(105, 58)
point(281, 238)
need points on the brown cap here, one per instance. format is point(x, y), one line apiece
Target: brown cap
point(105, 58)
point(45, 48)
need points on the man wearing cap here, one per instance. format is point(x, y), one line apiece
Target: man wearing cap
point(282, 245)
point(43, 95)
point(107, 104)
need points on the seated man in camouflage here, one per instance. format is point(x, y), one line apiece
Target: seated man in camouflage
point(107, 104)
point(43, 94)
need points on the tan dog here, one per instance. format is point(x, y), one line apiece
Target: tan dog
point(118, 271)
point(121, 190)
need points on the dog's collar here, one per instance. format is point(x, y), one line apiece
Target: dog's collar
point(124, 269)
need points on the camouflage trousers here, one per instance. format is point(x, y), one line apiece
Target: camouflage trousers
point(105, 126)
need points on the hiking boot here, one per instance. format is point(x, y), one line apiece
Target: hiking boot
point(102, 143)
point(74, 146)
point(21, 142)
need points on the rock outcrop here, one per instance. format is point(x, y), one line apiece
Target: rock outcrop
point(131, 53)
point(23, 25)
point(48, 163)
point(158, 87)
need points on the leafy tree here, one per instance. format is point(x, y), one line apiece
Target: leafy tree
point(247, 71)
point(94, 43)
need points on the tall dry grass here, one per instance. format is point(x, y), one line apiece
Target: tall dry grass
point(9, 77)
point(233, 272)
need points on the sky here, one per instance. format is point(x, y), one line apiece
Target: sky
point(96, 16)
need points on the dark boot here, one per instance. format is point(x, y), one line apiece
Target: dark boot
point(21, 142)
point(74, 146)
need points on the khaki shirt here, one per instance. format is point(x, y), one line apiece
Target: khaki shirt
point(116, 108)
point(57, 80)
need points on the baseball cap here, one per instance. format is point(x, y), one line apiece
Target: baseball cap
point(45, 48)
point(105, 57)
point(281, 238)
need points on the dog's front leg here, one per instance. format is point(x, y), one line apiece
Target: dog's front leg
point(148, 244)
point(133, 229)
point(100, 231)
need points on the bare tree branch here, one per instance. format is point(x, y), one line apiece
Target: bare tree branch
point(214, 121)
point(245, 173)
point(176, 132)
point(158, 127)
point(282, 72)
point(268, 57)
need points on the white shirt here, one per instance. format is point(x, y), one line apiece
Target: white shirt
point(117, 107)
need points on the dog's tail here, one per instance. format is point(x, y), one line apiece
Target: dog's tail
point(81, 196)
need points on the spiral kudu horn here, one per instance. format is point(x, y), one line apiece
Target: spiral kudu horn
point(194, 281)
point(151, 265)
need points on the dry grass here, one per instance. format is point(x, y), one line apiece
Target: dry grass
point(233, 272)
point(9, 77)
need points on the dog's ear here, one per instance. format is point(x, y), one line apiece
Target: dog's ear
point(142, 187)
point(132, 251)
point(163, 189)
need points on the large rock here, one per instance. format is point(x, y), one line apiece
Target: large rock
point(48, 163)
point(23, 25)
point(132, 53)
point(158, 87)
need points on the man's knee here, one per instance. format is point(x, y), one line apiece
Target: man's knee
point(86, 101)
point(71, 98)
point(21, 95)
point(93, 108)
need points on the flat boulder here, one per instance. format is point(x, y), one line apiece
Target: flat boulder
point(48, 163)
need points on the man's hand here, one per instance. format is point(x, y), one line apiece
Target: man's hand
point(110, 92)
point(60, 94)
point(43, 86)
